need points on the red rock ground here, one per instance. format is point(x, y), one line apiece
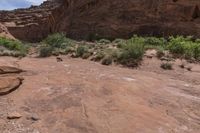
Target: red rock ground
point(78, 96)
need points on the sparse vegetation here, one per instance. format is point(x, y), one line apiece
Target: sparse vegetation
point(184, 47)
point(132, 52)
point(81, 50)
point(104, 41)
point(45, 51)
point(98, 56)
point(107, 60)
point(12, 47)
point(166, 66)
point(160, 53)
point(56, 44)
point(126, 52)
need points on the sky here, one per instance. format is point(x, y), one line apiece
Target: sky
point(14, 4)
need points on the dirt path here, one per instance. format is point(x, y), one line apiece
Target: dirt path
point(77, 96)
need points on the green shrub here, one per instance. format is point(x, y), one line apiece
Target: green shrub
point(107, 60)
point(166, 66)
point(160, 53)
point(155, 41)
point(13, 45)
point(99, 56)
point(176, 45)
point(46, 51)
point(86, 55)
point(196, 51)
point(119, 42)
point(70, 50)
point(58, 40)
point(81, 50)
point(137, 39)
point(197, 40)
point(132, 52)
point(184, 47)
point(104, 41)
point(55, 40)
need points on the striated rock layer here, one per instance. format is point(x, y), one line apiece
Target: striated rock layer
point(5, 33)
point(89, 19)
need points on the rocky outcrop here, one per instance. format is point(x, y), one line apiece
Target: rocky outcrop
point(9, 83)
point(89, 19)
point(5, 33)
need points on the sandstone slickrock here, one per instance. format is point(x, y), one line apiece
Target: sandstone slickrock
point(88, 19)
point(8, 69)
point(9, 83)
point(14, 115)
point(80, 96)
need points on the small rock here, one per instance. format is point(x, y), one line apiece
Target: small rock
point(14, 115)
point(189, 68)
point(59, 59)
point(149, 56)
point(165, 59)
point(34, 117)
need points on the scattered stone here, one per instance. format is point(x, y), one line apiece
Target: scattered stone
point(14, 115)
point(33, 117)
point(59, 59)
point(150, 53)
point(189, 68)
point(165, 59)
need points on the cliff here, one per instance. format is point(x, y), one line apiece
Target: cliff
point(89, 19)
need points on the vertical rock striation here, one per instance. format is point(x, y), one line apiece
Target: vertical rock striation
point(89, 19)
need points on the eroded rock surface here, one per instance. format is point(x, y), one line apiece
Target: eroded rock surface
point(4, 32)
point(79, 96)
point(9, 83)
point(89, 19)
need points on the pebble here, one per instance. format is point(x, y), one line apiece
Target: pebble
point(14, 115)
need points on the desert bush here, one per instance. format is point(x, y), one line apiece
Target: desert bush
point(70, 50)
point(160, 53)
point(155, 41)
point(119, 42)
point(104, 41)
point(99, 56)
point(107, 60)
point(45, 51)
point(166, 66)
point(132, 52)
point(55, 40)
point(86, 55)
point(14, 45)
point(81, 50)
point(177, 44)
point(197, 40)
point(57, 44)
point(196, 51)
point(184, 47)
point(58, 40)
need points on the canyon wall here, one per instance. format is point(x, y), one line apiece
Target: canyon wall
point(90, 19)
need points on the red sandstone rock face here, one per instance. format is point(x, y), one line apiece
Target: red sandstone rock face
point(88, 19)
point(4, 32)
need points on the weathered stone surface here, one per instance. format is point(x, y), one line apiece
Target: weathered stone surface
point(8, 69)
point(87, 19)
point(9, 83)
point(14, 115)
point(4, 32)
